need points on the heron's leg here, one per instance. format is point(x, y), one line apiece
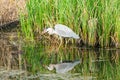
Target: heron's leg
point(60, 42)
point(68, 40)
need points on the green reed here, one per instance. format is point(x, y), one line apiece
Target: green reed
point(97, 22)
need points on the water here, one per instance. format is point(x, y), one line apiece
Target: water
point(29, 61)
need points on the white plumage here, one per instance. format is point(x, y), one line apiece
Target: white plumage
point(62, 31)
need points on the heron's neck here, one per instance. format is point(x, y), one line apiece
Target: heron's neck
point(54, 32)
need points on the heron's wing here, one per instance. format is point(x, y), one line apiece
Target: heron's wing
point(63, 28)
point(65, 31)
point(62, 33)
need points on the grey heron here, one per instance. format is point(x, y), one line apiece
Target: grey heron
point(63, 67)
point(62, 31)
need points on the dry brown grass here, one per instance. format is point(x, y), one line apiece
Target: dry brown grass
point(10, 51)
point(9, 10)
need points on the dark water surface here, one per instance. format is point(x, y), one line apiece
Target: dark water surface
point(30, 61)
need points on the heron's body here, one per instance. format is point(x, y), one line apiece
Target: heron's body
point(62, 31)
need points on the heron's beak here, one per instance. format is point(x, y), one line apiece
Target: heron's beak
point(43, 32)
point(49, 67)
point(45, 66)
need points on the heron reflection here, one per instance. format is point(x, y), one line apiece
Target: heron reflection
point(63, 67)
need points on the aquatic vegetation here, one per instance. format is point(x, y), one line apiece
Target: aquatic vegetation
point(96, 22)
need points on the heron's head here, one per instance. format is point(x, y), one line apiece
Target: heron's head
point(49, 31)
point(50, 67)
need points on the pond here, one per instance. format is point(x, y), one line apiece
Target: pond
point(32, 60)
